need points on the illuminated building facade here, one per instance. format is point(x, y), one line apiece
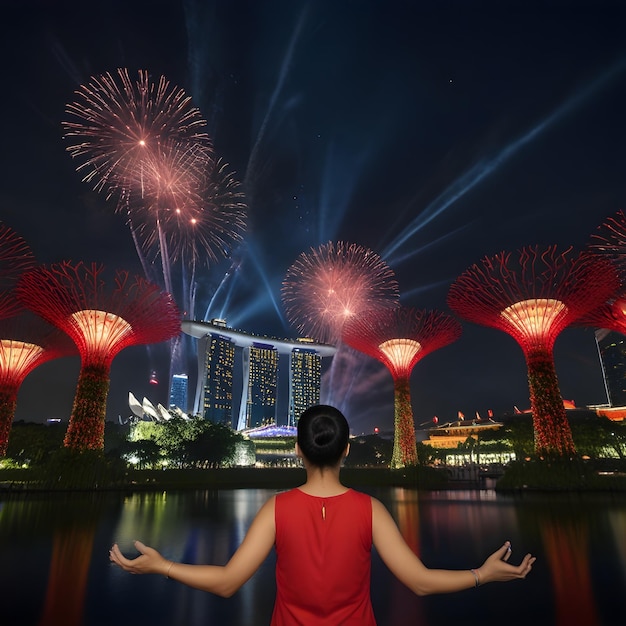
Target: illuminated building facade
point(260, 370)
point(305, 375)
point(178, 392)
point(612, 351)
point(260, 388)
point(216, 375)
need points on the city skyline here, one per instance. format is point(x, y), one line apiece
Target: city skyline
point(433, 135)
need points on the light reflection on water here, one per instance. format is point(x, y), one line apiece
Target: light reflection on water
point(55, 569)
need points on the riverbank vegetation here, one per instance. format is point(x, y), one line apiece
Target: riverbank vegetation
point(193, 454)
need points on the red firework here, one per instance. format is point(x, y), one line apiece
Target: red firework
point(121, 125)
point(15, 258)
point(26, 341)
point(200, 208)
point(330, 285)
point(101, 321)
point(144, 143)
point(533, 297)
point(400, 338)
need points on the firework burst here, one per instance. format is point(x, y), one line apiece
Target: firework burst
point(120, 125)
point(199, 209)
point(333, 283)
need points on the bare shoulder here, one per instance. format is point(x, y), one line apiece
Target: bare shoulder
point(379, 510)
point(383, 525)
point(263, 524)
point(268, 507)
point(265, 515)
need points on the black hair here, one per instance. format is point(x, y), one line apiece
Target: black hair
point(323, 434)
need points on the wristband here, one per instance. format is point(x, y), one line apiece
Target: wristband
point(476, 577)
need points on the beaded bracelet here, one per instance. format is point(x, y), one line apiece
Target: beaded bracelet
point(476, 577)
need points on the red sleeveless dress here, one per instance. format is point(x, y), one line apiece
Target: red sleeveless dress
point(323, 560)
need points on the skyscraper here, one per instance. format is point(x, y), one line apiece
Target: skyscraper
point(219, 359)
point(178, 392)
point(612, 350)
point(260, 371)
point(305, 373)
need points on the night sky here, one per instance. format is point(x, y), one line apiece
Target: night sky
point(434, 133)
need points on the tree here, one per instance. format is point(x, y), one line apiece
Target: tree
point(212, 447)
point(369, 450)
point(32, 443)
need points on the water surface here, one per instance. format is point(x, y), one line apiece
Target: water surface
point(55, 568)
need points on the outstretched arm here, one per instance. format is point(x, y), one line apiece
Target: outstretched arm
point(408, 568)
point(222, 580)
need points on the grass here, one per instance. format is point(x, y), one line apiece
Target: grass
point(93, 478)
point(563, 475)
point(92, 473)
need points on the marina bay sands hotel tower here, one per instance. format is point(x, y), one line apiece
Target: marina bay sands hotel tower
point(217, 344)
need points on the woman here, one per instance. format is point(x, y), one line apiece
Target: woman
point(323, 533)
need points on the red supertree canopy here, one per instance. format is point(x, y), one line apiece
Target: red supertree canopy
point(533, 296)
point(610, 315)
point(15, 257)
point(400, 338)
point(609, 241)
point(101, 321)
point(26, 341)
point(334, 283)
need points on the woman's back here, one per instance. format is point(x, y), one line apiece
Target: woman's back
point(323, 559)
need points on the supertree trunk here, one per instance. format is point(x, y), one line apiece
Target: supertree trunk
point(404, 446)
point(86, 427)
point(8, 400)
point(553, 436)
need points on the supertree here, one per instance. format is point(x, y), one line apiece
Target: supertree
point(533, 296)
point(15, 258)
point(332, 284)
point(400, 338)
point(101, 321)
point(26, 341)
